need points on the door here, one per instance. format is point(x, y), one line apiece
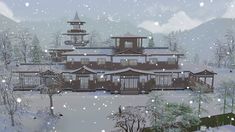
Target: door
point(164, 80)
point(129, 83)
point(84, 82)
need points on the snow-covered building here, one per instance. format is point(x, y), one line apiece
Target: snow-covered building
point(126, 68)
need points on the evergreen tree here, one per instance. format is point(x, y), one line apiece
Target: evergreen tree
point(151, 42)
point(36, 51)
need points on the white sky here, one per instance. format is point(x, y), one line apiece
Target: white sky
point(153, 15)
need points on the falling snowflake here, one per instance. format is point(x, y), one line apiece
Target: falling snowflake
point(202, 4)
point(27, 4)
point(18, 100)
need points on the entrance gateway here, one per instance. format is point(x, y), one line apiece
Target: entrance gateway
point(84, 82)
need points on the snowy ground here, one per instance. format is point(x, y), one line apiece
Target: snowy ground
point(87, 112)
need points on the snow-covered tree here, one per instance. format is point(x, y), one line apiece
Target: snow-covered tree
point(172, 42)
point(200, 97)
point(130, 118)
point(5, 49)
point(36, 51)
point(24, 38)
point(226, 92)
point(179, 117)
point(155, 106)
point(151, 43)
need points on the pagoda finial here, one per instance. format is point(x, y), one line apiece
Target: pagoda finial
point(76, 17)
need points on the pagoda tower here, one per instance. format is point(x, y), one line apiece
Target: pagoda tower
point(76, 34)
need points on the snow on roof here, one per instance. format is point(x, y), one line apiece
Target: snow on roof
point(109, 51)
point(160, 51)
point(76, 17)
point(128, 69)
point(129, 35)
point(63, 47)
point(37, 68)
point(186, 67)
point(84, 67)
point(194, 68)
point(87, 51)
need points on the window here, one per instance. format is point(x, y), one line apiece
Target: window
point(153, 61)
point(171, 61)
point(132, 62)
point(84, 61)
point(128, 44)
point(124, 62)
point(68, 77)
point(101, 61)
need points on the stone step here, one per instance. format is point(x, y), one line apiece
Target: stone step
point(133, 92)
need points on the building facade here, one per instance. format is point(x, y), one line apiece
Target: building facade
point(126, 68)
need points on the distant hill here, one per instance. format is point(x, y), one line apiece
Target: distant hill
point(200, 40)
point(197, 40)
point(6, 23)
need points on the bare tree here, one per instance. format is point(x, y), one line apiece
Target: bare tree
point(5, 48)
point(220, 53)
point(95, 39)
point(24, 38)
point(3, 89)
point(230, 43)
point(57, 39)
point(53, 84)
point(130, 119)
point(12, 104)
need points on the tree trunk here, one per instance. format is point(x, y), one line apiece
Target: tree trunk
point(4, 100)
point(12, 119)
point(51, 105)
point(232, 99)
point(225, 101)
point(199, 103)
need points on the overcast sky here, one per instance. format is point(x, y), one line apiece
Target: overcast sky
point(153, 15)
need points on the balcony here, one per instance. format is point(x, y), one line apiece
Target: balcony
point(81, 43)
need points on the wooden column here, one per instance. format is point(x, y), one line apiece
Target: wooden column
point(212, 83)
